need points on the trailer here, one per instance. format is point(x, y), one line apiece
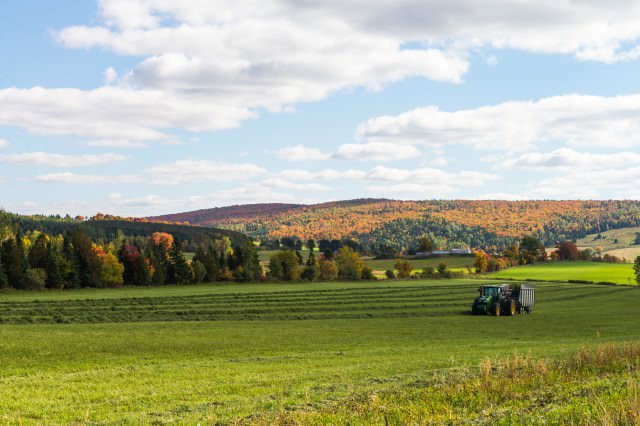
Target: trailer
point(527, 298)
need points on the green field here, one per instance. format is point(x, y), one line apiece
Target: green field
point(275, 353)
point(379, 266)
point(619, 273)
point(452, 262)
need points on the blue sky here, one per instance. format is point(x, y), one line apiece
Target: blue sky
point(143, 107)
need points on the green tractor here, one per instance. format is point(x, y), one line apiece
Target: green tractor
point(503, 300)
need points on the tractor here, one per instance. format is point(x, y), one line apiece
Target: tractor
point(504, 300)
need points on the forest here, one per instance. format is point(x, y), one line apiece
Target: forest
point(376, 225)
point(39, 252)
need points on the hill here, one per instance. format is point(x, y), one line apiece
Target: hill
point(227, 214)
point(105, 230)
point(492, 225)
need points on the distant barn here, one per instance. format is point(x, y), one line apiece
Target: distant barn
point(444, 252)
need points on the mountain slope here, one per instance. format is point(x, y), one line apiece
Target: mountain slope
point(486, 224)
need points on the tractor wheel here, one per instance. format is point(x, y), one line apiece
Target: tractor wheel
point(496, 309)
point(510, 307)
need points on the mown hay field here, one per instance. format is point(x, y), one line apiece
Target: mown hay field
point(283, 353)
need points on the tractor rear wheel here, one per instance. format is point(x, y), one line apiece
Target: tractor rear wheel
point(496, 309)
point(510, 307)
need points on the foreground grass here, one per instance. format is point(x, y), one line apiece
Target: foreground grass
point(275, 352)
point(620, 273)
point(593, 386)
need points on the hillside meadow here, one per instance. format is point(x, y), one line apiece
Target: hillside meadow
point(613, 239)
point(301, 353)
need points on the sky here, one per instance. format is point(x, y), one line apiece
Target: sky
point(146, 107)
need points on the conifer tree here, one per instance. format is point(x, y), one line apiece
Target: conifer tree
point(4, 282)
point(179, 271)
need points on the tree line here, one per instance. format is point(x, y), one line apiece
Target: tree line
point(343, 263)
point(531, 250)
point(38, 260)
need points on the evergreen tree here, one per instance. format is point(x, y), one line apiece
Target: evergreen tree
point(68, 264)
point(4, 282)
point(53, 267)
point(311, 245)
point(179, 271)
point(38, 252)
point(128, 257)
point(210, 260)
point(14, 261)
point(85, 266)
point(142, 274)
point(252, 270)
point(311, 270)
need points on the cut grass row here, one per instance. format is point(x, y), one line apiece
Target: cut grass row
point(313, 302)
point(247, 366)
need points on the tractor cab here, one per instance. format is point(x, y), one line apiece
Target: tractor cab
point(490, 291)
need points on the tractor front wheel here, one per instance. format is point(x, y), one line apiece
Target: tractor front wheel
point(510, 307)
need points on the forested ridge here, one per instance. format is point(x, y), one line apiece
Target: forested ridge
point(53, 252)
point(490, 225)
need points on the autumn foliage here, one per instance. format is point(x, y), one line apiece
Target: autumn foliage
point(490, 225)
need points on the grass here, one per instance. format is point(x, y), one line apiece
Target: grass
point(275, 353)
point(601, 383)
point(565, 271)
point(452, 262)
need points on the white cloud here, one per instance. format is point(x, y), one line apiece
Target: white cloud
point(72, 178)
point(301, 153)
point(438, 161)
point(502, 196)
point(611, 183)
point(375, 151)
point(422, 190)
point(492, 61)
point(430, 176)
point(209, 66)
point(116, 143)
point(201, 171)
point(110, 75)
point(3, 179)
point(60, 160)
point(491, 158)
point(287, 184)
point(564, 158)
point(114, 113)
point(589, 30)
point(327, 174)
point(577, 120)
point(3, 143)
point(422, 176)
